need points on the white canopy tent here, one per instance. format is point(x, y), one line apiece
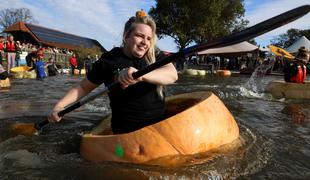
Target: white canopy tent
point(303, 41)
point(242, 47)
point(264, 49)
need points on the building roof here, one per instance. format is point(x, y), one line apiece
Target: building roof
point(51, 37)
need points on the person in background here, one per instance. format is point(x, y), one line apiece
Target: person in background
point(308, 63)
point(1, 52)
point(4, 79)
point(51, 67)
point(31, 57)
point(137, 102)
point(18, 53)
point(3, 73)
point(74, 64)
point(88, 64)
point(295, 71)
point(10, 48)
point(39, 65)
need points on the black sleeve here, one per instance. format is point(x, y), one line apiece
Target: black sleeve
point(98, 74)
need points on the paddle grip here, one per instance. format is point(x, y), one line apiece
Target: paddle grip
point(69, 109)
point(39, 125)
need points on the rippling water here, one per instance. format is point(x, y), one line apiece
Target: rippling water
point(274, 138)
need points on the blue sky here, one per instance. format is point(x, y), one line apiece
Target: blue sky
point(103, 20)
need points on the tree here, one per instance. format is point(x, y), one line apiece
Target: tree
point(197, 20)
point(288, 38)
point(12, 15)
point(82, 53)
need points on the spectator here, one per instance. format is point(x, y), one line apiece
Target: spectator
point(51, 67)
point(88, 64)
point(10, 48)
point(30, 58)
point(3, 73)
point(18, 53)
point(39, 65)
point(1, 51)
point(74, 64)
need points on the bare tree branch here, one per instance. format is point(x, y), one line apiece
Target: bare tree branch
point(12, 15)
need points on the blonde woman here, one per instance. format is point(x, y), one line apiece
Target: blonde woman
point(138, 102)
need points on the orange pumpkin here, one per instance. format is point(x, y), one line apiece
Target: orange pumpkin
point(196, 122)
point(140, 13)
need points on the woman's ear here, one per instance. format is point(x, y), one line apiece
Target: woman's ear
point(125, 36)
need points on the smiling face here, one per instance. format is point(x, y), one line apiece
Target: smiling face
point(138, 41)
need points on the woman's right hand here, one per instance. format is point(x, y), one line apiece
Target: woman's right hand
point(53, 117)
point(125, 77)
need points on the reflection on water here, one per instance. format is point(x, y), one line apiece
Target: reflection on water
point(296, 113)
point(274, 137)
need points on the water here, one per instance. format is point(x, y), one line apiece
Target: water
point(274, 135)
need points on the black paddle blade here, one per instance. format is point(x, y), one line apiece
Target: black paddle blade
point(254, 31)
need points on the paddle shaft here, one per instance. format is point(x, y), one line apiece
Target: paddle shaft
point(235, 38)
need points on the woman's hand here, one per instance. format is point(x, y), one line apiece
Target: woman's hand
point(53, 117)
point(125, 77)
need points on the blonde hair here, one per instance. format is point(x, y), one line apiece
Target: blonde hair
point(142, 18)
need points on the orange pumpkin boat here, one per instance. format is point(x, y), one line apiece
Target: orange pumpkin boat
point(223, 72)
point(196, 122)
point(281, 89)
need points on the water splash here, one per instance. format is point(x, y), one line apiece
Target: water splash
point(255, 86)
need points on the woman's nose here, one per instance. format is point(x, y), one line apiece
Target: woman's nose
point(143, 41)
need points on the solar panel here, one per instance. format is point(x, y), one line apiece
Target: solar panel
point(53, 36)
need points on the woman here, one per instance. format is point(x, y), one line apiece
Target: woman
point(138, 102)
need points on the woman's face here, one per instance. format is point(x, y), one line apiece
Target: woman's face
point(138, 42)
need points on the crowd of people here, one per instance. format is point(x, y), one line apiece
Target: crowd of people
point(11, 50)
